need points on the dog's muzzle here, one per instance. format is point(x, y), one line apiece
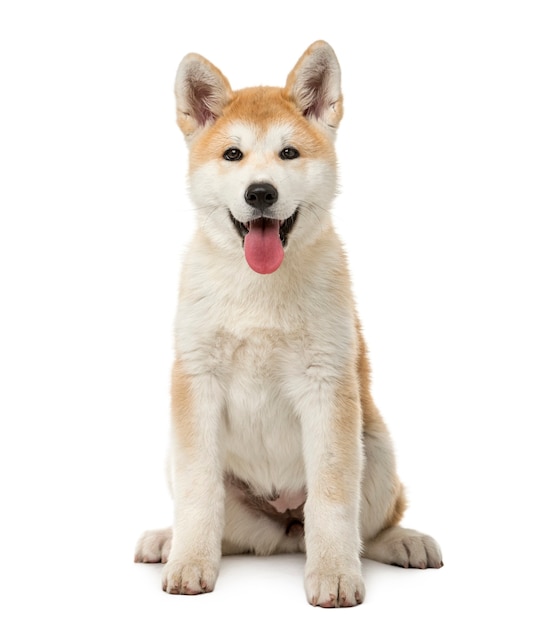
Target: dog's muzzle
point(263, 237)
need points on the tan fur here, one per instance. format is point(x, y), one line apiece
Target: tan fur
point(337, 488)
point(336, 111)
point(181, 406)
point(373, 423)
point(262, 107)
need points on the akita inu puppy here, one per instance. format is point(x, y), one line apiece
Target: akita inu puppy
point(276, 443)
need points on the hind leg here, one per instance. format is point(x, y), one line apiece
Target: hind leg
point(154, 546)
point(248, 530)
point(245, 531)
point(404, 547)
point(384, 503)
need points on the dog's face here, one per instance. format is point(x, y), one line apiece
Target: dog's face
point(262, 162)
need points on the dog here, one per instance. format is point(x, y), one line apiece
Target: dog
point(276, 443)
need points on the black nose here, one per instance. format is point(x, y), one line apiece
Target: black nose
point(261, 195)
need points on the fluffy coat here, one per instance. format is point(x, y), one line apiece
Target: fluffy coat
point(276, 443)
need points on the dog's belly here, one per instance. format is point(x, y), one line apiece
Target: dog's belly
point(262, 433)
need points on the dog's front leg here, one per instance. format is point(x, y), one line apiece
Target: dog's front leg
point(331, 426)
point(197, 484)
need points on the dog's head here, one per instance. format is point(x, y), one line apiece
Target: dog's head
point(262, 161)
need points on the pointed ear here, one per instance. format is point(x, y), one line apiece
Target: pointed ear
point(201, 91)
point(314, 85)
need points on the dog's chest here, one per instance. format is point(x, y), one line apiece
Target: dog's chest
point(262, 433)
point(266, 348)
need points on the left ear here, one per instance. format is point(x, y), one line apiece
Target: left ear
point(314, 85)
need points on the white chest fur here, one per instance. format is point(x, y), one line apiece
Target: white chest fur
point(262, 434)
point(262, 340)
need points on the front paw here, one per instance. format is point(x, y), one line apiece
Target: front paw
point(338, 587)
point(189, 577)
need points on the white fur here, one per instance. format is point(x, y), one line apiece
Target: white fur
point(219, 184)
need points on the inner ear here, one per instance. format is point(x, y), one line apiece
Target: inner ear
point(201, 91)
point(314, 85)
point(200, 98)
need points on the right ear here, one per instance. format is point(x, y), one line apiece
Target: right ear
point(201, 91)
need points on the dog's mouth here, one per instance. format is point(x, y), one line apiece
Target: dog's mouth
point(264, 240)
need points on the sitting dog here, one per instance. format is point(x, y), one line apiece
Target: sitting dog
point(276, 443)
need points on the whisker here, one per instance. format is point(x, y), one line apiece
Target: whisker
point(208, 209)
point(314, 209)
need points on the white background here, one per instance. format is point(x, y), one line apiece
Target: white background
point(440, 154)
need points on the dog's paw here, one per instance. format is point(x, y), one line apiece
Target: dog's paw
point(154, 546)
point(189, 578)
point(405, 548)
point(335, 588)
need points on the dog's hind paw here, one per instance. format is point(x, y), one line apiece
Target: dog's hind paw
point(405, 548)
point(154, 546)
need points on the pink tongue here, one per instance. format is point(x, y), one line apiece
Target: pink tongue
point(262, 246)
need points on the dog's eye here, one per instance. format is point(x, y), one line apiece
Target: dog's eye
point(289, 153)
point(233, 154)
